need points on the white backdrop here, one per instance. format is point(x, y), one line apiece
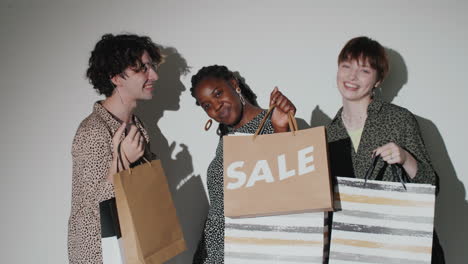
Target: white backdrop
point(293, 44)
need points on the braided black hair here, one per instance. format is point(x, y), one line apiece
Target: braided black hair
point(223, 73)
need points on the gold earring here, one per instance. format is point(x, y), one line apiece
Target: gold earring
point(208, 124)
point(238, 90)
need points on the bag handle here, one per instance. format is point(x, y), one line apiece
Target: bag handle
point(392, 166)
point(135, 118)
point(291, 120)
point(120, 160)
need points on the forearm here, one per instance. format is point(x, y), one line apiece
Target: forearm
point(422, 172)
point(410, 165)
point(96, 180)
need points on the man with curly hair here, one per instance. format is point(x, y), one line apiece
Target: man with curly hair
point(123, 68)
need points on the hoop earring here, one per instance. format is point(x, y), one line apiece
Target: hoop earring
point(208, 124)
point(242, 99)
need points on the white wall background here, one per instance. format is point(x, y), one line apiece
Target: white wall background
point(44, 50)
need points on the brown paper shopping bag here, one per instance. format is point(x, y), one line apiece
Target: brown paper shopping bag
point(276, 174)
point(150, 228)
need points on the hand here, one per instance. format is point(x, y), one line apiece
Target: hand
point(280, 118)
point(133, 145)
point(392, 153)
point(115, 143)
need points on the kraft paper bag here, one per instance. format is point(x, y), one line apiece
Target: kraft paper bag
point(150, 228)
point(382, 222)
point(276, 174)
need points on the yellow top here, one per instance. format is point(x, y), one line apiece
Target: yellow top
point(355, 136)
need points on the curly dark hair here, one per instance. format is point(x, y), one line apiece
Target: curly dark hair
point(113, 54)
point(223, 73)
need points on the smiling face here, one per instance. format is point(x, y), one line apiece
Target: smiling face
point(219, 100)
point(138, 83)
point(356, 79)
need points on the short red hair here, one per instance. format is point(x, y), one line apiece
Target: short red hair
point(364, 49)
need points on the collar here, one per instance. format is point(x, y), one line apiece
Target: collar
point(105, 115)
point(114, 123)
point(374, 108)
point(256, 120)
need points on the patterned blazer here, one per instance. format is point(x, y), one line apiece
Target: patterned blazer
point(385, 123)
point(92, 156)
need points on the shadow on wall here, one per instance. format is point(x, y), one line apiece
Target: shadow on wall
point(451, 210)
point(187, 189)
point(319, 118)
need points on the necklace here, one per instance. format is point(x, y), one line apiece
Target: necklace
point(355, 125)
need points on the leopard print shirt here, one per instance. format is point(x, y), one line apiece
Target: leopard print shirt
point(92, 156)
point(211, 247)
point(385, 123)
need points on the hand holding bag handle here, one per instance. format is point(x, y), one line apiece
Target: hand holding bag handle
point(394, 169)
point(292, 122)
point(120, 152)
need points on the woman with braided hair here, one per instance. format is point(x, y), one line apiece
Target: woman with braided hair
point(233, 105)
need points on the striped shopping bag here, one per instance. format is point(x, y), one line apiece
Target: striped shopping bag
point(382, 222)
point(287, 239)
